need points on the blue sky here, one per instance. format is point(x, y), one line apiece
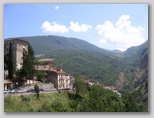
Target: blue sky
point(109, 26)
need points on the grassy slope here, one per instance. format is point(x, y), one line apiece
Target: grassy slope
point(22, 104)
point(96, 100)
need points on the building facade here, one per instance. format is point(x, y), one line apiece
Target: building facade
point(60, 79)
point(47, 66)
point(18, 47)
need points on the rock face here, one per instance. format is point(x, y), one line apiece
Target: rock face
point(119, 83)
point(138, 56)
point(140, 80)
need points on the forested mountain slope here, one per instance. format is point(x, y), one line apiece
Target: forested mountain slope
point(51, 43)
point(127, 71)
point(80, 58)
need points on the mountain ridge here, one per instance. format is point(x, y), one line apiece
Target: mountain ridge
point(79, 57)
point(52, 42)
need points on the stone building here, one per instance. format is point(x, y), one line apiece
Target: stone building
point(7, 84)
point(60, 79)
point(18, 47)
point(47, 65)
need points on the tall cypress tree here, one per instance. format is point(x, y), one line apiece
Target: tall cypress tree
point(30, 50)
point(28, 60)
point(10, 63)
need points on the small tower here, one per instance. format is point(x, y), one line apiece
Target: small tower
point(18, 47)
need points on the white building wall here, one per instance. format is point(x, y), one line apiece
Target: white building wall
point(17, 48)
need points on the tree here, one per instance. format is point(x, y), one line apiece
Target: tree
point(28, 63)
point(40, 75)
point(130, 103)
point(80, 86)
point(36, 87)
point(10, 63)
point(30, 50)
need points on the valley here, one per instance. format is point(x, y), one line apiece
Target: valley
point(127, 71)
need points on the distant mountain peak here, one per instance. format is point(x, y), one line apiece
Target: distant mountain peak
point(117, 51)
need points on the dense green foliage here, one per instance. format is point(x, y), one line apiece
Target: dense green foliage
point(80, 86)
point(39, 75)
point(80, 58)
point(36, 87)
point(27, 69)
point(138, 57)
point(47, 44)
point(140, 79)
point(96, 99)
point(93, 65)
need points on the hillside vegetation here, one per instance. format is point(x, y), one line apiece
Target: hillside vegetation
point(127, 71)
point(80, 58)
point(92, 99)
point(49, 44)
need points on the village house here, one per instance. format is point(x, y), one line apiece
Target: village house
point(47, 66)
point(112, 88)
point(60, 79)
point(57, 77)
point(7, 84)
point(18, 47)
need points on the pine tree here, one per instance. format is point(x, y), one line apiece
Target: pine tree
point(30, 50)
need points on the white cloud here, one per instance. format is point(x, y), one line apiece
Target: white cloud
point(53, 28)
point(121, 33)
point(79, 28)
point(57, 7)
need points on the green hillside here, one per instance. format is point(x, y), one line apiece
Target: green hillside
point(140, 77)
point(92, 65)
point(49, 44)
point(80, 58)
point(127, 71)
point(93, 99)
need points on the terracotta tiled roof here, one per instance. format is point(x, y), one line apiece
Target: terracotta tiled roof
point(60, 71)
